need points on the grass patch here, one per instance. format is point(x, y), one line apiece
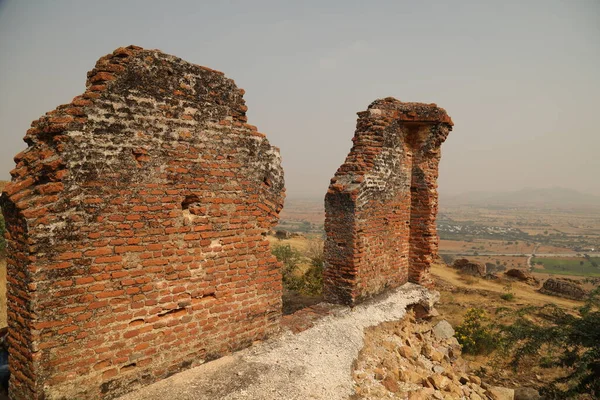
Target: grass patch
point(507, 296)
point(576, 266)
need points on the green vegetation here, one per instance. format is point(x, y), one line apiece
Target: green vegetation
point(565, 340)
point(574, 266)
point(307, 282)
point(547, 335)
point(507, 296)
point(290, 258)
point(476, 334)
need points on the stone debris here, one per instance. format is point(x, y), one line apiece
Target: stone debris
point(414, 359)
point(527, 393)
point(443, 330)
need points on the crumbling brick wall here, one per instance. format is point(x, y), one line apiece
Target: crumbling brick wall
point(136, 224)
point(381, 206)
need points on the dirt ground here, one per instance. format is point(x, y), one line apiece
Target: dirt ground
point(524, 294)
point(459, 293)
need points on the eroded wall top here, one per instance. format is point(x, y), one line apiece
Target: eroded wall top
point(382, 202)
point(137, 219)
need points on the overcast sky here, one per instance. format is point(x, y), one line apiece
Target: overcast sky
point(520, 78)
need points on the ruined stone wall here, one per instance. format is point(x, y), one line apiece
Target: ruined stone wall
point(381, 206)
point(136, 226)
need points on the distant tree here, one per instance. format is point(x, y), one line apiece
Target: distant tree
point(305, 227)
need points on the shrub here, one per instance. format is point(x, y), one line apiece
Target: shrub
point(507, 296)
point(311, 281)
point(477, 334)
point(567, 340)
point(313, 277)
point(290, 258)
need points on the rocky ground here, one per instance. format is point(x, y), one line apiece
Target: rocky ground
point(416, 359)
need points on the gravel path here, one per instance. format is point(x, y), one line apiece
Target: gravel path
point(313, 364)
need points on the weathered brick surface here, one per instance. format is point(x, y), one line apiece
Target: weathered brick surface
point(381, 206)
point(136, 226)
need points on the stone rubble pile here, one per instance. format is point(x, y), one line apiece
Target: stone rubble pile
point(415, 359)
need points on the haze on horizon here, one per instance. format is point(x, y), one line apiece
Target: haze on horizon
point(519, 78)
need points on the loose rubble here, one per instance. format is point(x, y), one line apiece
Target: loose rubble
point(416, 359)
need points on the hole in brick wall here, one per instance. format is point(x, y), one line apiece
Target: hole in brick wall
point(137, 322)
point(189, 214)
point(43, 179)
point(267, 181)
point(189, 199)
point(128, 367)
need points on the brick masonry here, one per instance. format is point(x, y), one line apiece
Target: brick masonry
point(136, 223)
point(381, 205)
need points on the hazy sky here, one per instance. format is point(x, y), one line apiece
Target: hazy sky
point(520, 79)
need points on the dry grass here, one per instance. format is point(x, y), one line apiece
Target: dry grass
point(523, 292)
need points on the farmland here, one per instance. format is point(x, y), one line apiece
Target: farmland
point(578, 266)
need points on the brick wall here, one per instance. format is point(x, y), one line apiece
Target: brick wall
point(136, 223)
point(381, 206)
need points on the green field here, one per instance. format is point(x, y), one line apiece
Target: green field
point(573, 266)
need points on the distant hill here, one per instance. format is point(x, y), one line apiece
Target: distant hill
point(536, 198)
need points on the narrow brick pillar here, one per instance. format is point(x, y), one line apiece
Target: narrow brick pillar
point(381, 205)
